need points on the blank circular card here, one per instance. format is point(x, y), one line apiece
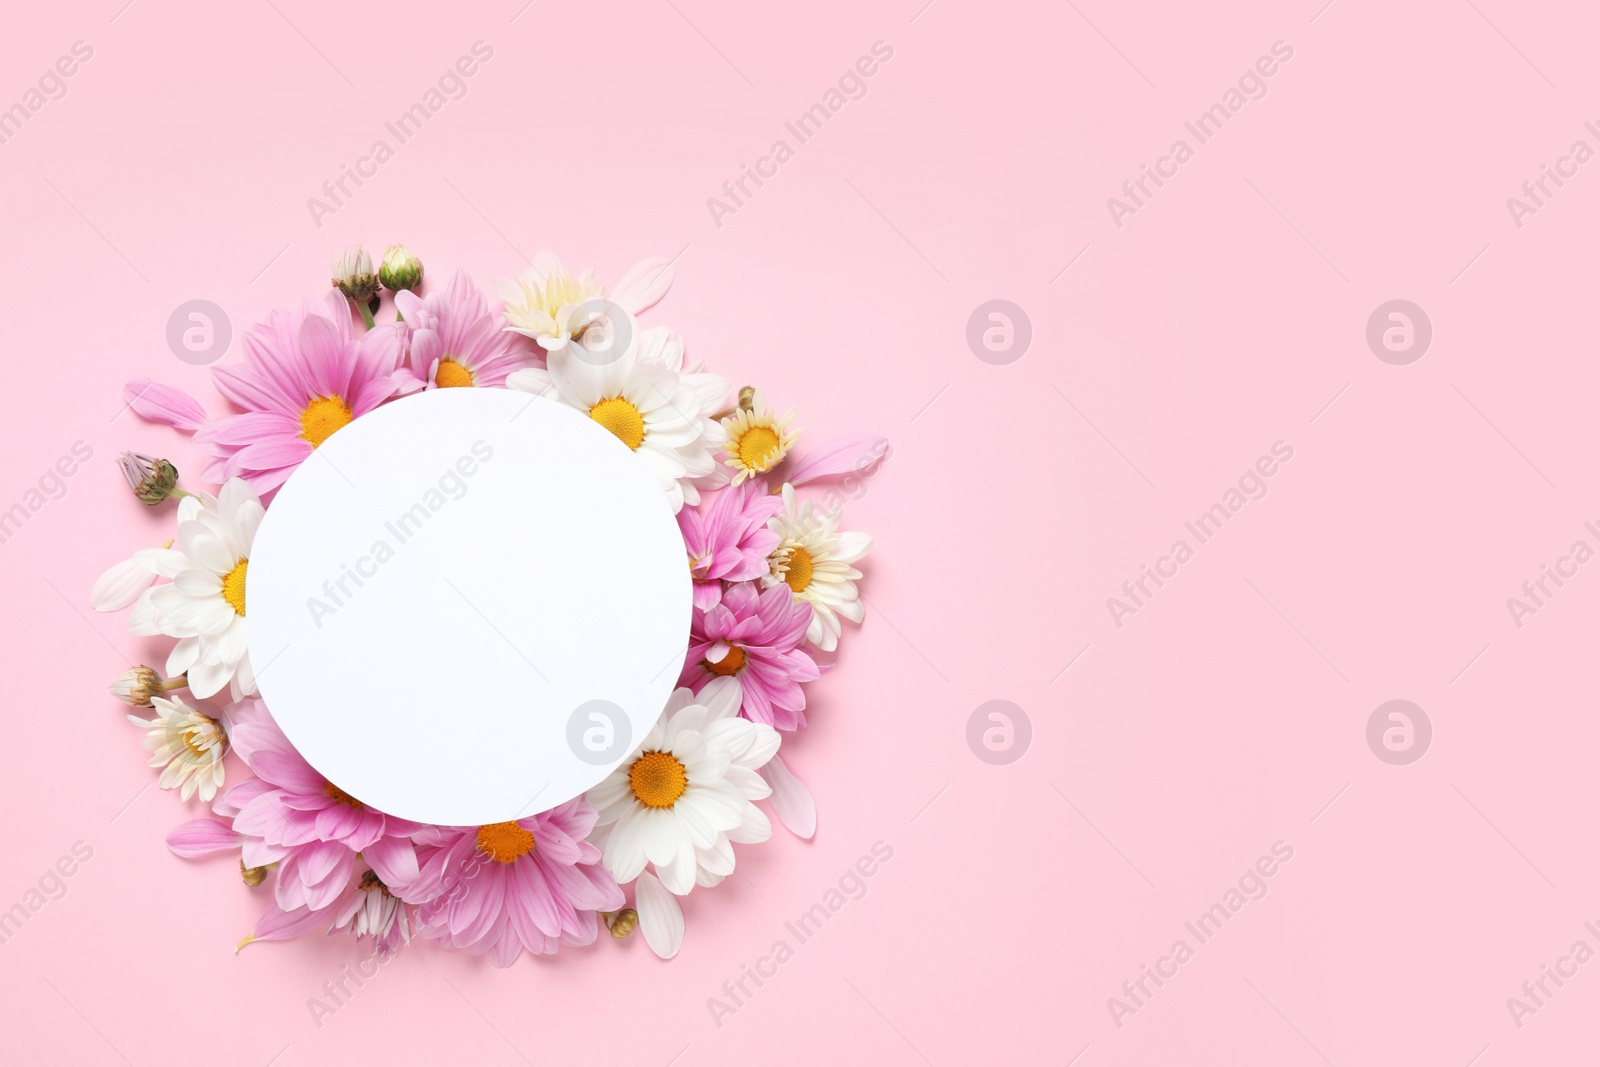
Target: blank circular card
point(468, 605)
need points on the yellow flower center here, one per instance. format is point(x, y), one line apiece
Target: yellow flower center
point(504, 842)
point(233, 586)
point(798, 576)
point(322, 417)
point(657, 779)
point(759, 447)
point(621, 418)
point(198, 739)
point(451, 375)
point(728, 664)
point(333, 792)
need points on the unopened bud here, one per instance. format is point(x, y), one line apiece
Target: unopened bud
point(152, 480)
point(400, 269)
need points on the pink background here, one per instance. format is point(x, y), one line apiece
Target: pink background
point(1227, 314)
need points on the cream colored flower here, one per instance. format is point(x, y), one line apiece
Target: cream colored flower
point(757, 439)
point(813, 559)
point(188, 748)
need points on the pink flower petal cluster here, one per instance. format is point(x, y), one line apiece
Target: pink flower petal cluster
point(532, 884)
point(754, 637)
point(728, 539)
point(293, 361)
point(455, 326)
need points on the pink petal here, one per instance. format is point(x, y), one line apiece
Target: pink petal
point(202, 837)
point(164, 403)
point(842, 455)
point(277, 924)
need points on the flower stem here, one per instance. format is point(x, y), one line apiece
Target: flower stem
point(366, 313)
point(180, 682)
point(179, 494)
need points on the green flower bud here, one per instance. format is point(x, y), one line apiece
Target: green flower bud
point(400, 269)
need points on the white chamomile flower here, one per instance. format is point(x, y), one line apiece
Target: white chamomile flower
point(645, 399)
point(757, 439)
point(188, 747)
point(204, 606)
point(546, 302)
point(686, 796)
point(813, 559)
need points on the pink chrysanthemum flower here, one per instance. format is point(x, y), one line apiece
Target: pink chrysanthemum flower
point(532, 884)
point(728, 540)
point(753, 637)
point(292, 816)
point(305, 376)
point(455, 341)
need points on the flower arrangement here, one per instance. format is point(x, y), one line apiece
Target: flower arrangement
point(774, 579)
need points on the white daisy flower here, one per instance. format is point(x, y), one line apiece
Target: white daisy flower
point(204, 604)
point(545, 301)
point(685, 797)
point(813, 559)
point(647, 400)
point(757, 439)
point(188, 748)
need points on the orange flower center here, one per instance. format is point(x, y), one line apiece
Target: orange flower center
point(728, 664)
point(452, 375)
point(504, 842)
point(657, 779)
point(333, 792)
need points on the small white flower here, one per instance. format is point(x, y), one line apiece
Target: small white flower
point(814, 559)
point(757, 439)
point(371, 910)
point(188, 748)
point(686, 796)
point(204, 604)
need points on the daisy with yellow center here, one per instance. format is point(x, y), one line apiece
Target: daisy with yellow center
point(687, 794)
point(645, 399)
point(758, 440)
point(204, 604)
point(815, 559)
point(188, 747)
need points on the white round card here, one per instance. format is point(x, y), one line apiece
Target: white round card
point(468, 606)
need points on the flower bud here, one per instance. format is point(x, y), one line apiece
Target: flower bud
point(353, 276)
point(400, 269)
point(152, 480)
point(137, 686)
point(253, 876)
point(622, 923)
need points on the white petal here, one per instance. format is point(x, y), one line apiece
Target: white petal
point(791, 800)
point(660, 917)
point(121, 585)
point(642, 286)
